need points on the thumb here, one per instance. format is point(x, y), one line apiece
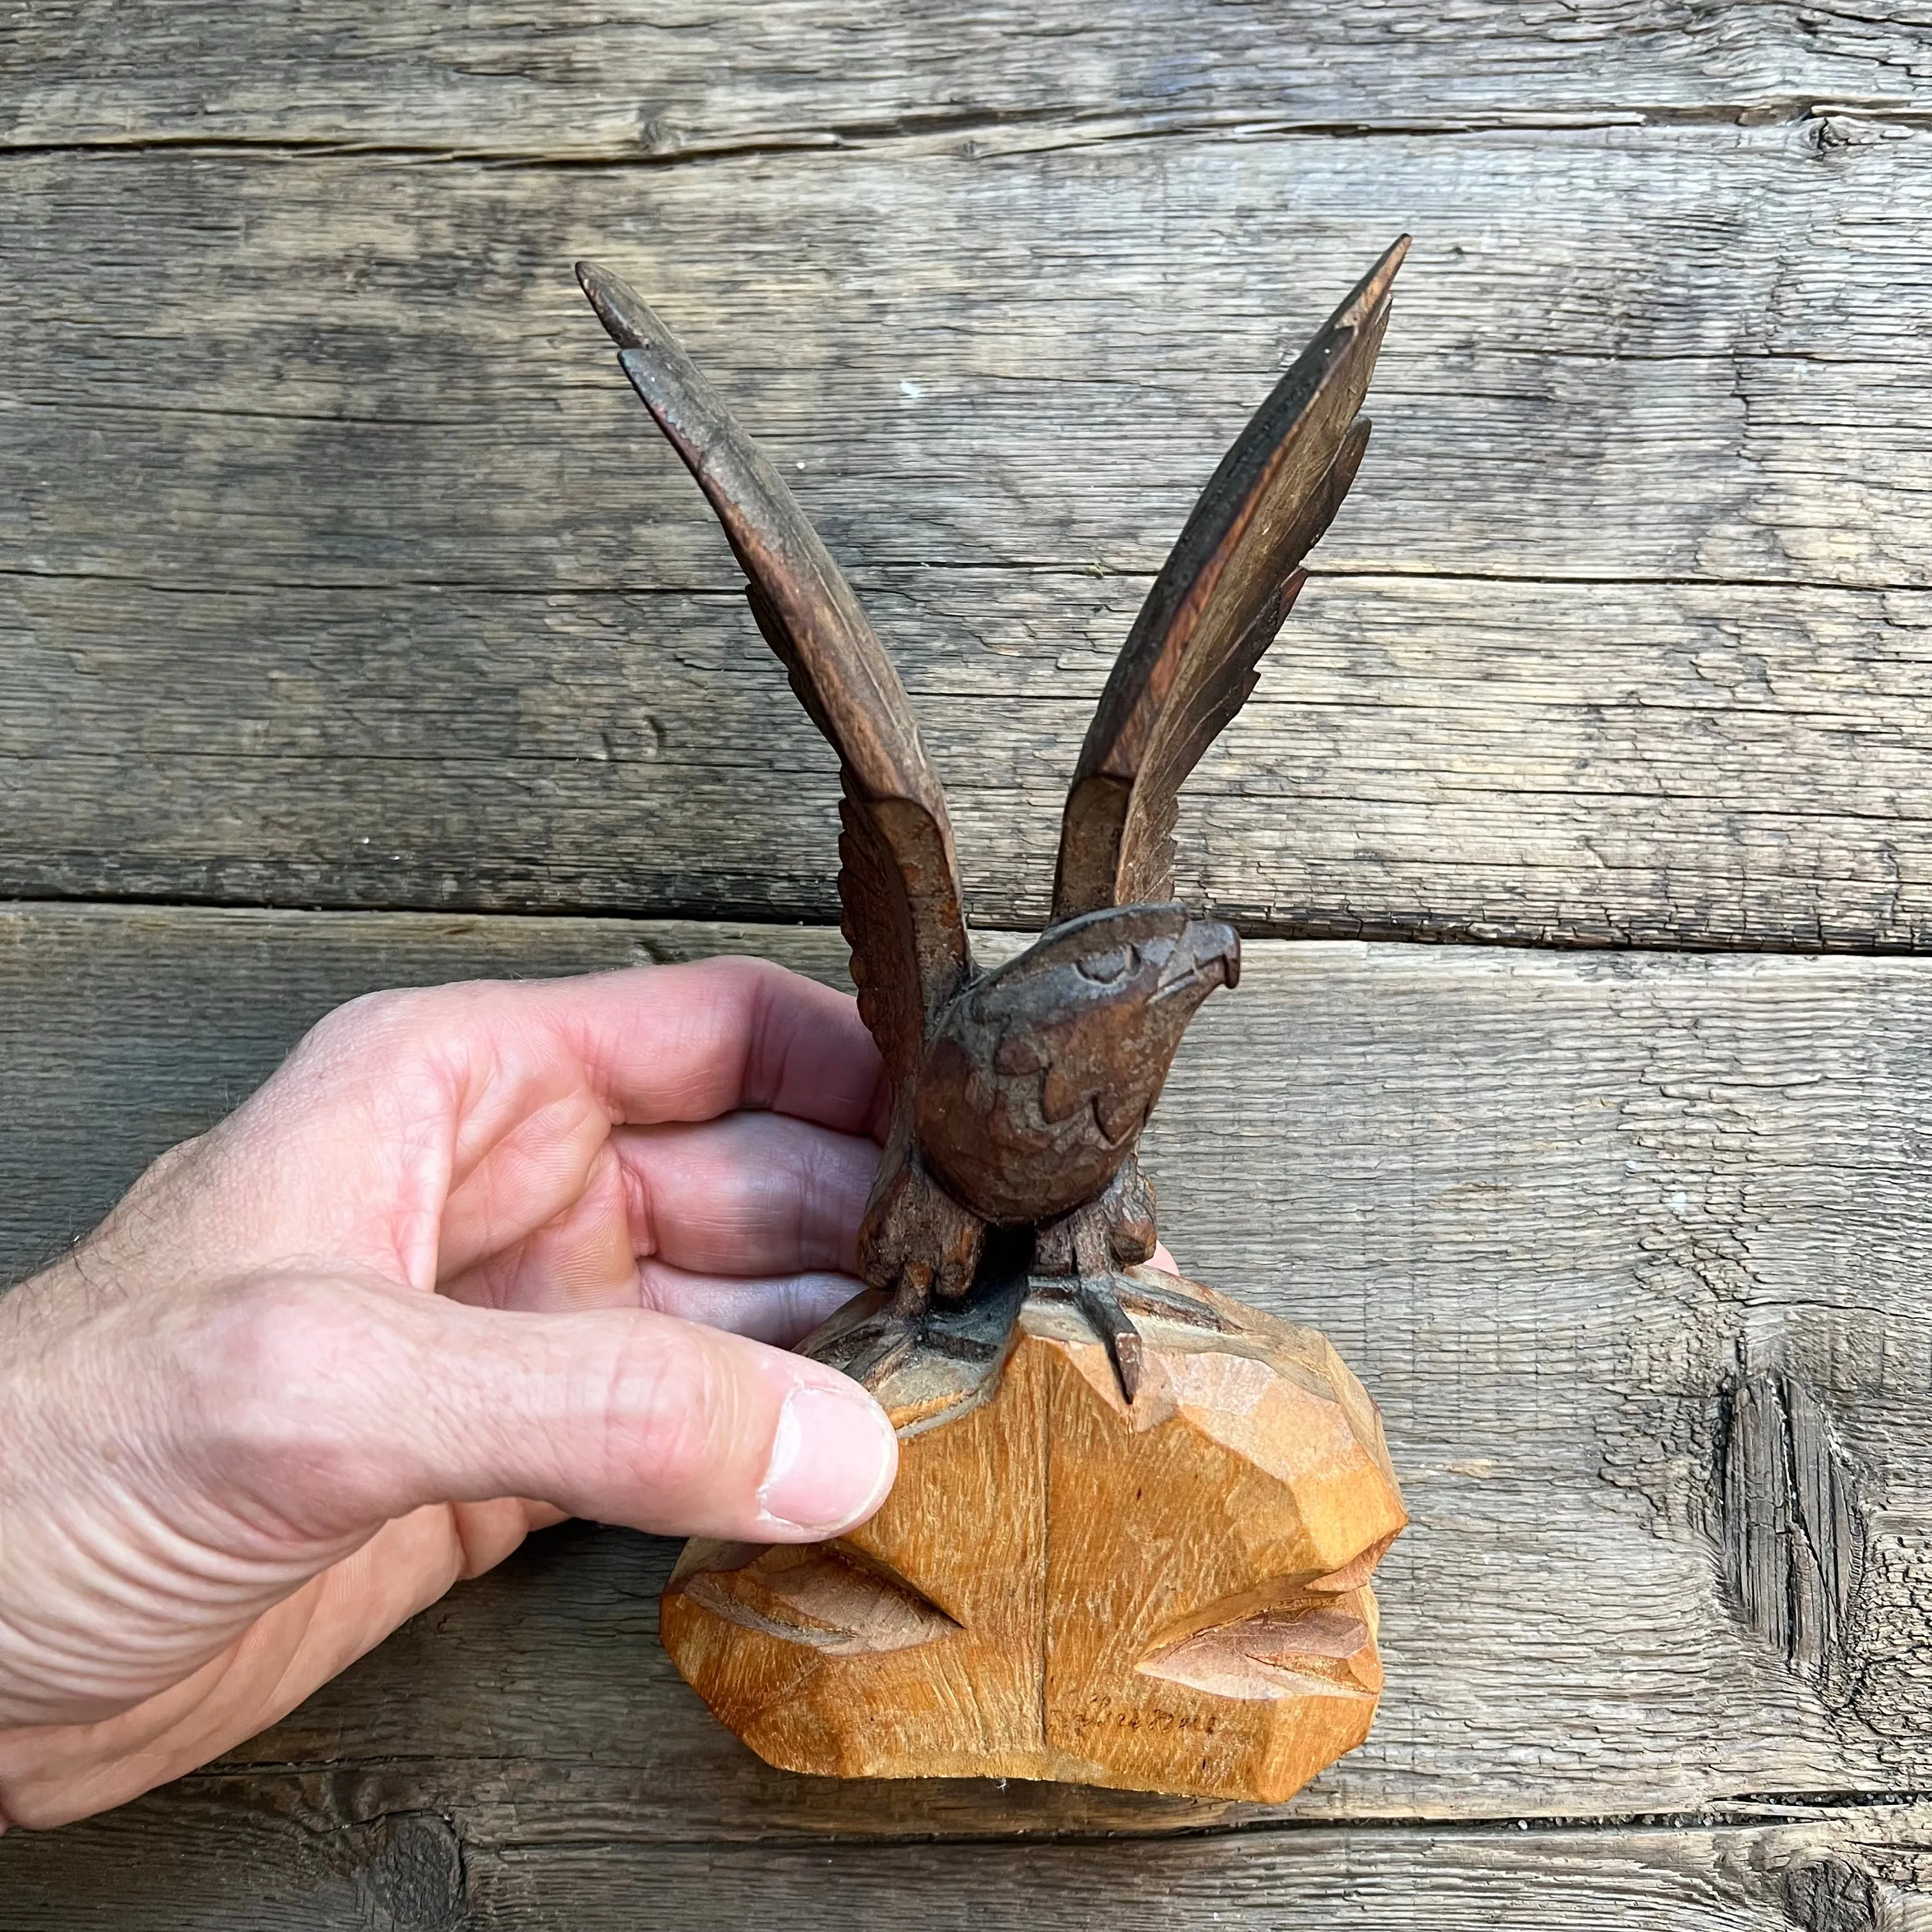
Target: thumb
point(620, 1414)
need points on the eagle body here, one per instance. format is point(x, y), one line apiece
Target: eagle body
point(1042, 1074)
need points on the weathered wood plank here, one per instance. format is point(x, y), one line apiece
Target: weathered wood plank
point(1630, 1248)
point(256, 520)
point(632, 81)
point(1811, 1875)
point(320, 1866)
point(1616, 355)
point(1676, 764)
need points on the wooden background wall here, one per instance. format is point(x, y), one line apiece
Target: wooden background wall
point(355, 630)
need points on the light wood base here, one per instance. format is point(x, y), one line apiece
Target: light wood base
point(1171, 1597)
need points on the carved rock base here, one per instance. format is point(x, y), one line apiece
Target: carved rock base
point(1172, 1596)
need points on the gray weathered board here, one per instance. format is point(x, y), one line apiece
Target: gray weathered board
point(1631, 1247)
point(338, 568)
point(640, 81)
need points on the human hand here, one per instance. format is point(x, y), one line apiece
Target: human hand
point(454, 1254)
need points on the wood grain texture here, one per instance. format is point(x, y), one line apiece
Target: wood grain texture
point(1686, 764)
point(1556, 1210)
point(324, 1861)
point(634, 81)
point(343, 532)
point(348, 370)
point(1223, 592)
point(1166, 1590)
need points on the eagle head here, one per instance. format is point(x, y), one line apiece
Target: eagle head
point(1040, 1077)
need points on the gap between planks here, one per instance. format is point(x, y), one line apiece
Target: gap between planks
point(1449, 934)
point(1078, 131)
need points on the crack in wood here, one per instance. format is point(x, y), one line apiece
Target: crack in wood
point(1079, 129)
point(1788, 1524)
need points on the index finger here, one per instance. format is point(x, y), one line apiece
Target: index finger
point(689, 1042)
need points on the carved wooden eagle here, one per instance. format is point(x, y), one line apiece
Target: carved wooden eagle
point(1019, 1093)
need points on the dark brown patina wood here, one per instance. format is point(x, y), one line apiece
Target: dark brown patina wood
point(1019, 1095)
point(1188, 663)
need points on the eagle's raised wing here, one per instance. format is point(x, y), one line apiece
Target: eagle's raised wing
point(1188, 663)
point(898, 883)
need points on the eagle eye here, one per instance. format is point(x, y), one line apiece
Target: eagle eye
point(1108, 968)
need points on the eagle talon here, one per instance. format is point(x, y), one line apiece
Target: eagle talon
point(886, 1351)
point(1145, 1299)
point(1094, 1295)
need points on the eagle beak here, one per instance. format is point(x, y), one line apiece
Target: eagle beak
point(1207, 953)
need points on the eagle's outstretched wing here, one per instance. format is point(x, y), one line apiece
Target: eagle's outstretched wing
point(898, 883)
point(1188, 663)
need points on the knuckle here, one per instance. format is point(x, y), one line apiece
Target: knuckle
point(410, 1038)
point(385, 1018)
point(676, 1407)
point(739, 969)
point(279, 1367)
point(263, 1353)
point(737, 978)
